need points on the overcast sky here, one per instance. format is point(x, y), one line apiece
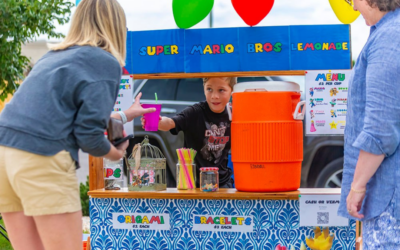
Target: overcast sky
point(157, 14)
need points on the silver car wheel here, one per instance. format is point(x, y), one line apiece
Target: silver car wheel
point(335, 180)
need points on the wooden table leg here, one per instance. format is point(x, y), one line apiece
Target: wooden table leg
point(96, 173)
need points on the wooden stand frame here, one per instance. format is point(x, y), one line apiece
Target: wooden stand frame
point(96, 175)
point(96, 179)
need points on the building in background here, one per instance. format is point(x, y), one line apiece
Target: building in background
point(35, 50)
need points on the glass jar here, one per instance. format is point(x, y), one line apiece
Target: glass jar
point(209, 179)
point(113, 174)
point(185, 176)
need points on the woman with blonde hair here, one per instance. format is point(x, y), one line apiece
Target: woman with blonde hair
point(63, 105)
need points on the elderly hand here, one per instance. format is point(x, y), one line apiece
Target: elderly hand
point(354, 201)
point(136, 109)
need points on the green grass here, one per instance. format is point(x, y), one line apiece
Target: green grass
point(4, 244)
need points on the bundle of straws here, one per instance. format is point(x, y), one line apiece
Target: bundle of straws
point(186, 174)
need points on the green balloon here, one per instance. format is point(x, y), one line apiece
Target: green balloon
point(188, 13)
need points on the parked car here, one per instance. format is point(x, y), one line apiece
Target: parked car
point(323, 155)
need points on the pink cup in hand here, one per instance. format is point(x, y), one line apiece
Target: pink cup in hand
point(152, 119)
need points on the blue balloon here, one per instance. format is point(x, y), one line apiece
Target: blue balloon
point(77, 2)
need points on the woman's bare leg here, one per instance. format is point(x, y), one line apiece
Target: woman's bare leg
point(60, 231)
point(22, 231)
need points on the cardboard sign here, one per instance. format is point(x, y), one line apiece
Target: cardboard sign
point(125, 100)
point(223, 223)
point(321, 210)
point(326, 98)
point(306, 47)
point(147, 221)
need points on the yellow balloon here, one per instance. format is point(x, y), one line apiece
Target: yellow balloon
point(344, 11)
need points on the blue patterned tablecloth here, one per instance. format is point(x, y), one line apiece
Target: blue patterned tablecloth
point(275, 222)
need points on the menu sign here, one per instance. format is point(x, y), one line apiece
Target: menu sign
point(326, 97)
point(125, 99)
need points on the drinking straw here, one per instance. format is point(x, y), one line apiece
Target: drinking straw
point(186, 170)
point(156, 97)
point(191, 159)
point(186, 159)
point(187, 165)
point(182, 180)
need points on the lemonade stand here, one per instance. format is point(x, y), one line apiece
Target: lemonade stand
point(228, 218)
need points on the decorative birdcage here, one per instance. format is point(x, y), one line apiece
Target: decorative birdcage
point(147, 168)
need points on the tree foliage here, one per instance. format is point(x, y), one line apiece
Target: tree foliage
point(20, 22)
point(84, 189)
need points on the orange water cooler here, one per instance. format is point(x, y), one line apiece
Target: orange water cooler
point(267, 136)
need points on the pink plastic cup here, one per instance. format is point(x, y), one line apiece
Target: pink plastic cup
point(152, 119)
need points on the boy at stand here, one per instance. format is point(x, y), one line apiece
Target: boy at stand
point(207, 128)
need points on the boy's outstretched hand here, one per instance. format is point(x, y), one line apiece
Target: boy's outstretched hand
point(136, 109)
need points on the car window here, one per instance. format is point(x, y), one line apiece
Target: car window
point(165, 89)
point(136, 84)
point(191, 90)
point(251, 79)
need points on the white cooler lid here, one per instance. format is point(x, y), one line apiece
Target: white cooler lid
point(266, 85)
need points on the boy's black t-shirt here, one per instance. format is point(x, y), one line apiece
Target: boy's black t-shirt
point(209, 134)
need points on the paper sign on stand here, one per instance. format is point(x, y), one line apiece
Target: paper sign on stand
point(145, 221)
point(223, 223)
point(125, 100)
point(321, 210)
point(326, 98)
point(113, 173)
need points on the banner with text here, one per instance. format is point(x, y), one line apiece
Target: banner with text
point(309, 47)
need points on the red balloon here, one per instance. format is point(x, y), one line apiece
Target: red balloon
point(252, 11)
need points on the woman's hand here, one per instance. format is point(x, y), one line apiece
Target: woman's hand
point(366, 167)
point(354, 201)
point(117, 152)
point(136, 109)
point(123, 146)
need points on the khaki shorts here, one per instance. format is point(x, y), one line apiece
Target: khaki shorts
point(37, 184)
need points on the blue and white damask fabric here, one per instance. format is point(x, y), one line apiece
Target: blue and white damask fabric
point(275, 222)
point(382, 232)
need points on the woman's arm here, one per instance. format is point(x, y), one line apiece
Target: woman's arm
point(132, 112)
point(367, 165)
point(118, 152)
